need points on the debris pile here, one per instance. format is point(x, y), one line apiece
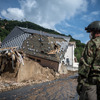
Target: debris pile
point(16, 69)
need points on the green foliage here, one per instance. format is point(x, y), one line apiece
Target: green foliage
point(7, 25)
point(3, 33)
point(78, 52)
point(11, 24)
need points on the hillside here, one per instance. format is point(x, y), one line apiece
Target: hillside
point(7, 25)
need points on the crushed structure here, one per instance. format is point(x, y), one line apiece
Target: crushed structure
point(17, 67)
point(46, 49)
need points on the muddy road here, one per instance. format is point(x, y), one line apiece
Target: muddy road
point(60, 89)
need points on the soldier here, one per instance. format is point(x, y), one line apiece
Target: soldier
point(88, 86)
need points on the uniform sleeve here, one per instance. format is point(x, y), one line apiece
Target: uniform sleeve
point(87, 60)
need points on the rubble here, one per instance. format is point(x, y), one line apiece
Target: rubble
point(17, 70)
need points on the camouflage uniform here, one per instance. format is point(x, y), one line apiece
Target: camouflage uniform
point(89, 71)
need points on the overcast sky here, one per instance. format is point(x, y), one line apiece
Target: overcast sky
point(69, 17)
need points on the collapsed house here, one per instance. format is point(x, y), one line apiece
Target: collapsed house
point(15, 66)
point(47, 49)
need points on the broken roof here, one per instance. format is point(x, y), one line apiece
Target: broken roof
point(38, 43)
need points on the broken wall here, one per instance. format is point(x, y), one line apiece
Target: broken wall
point(46, 63)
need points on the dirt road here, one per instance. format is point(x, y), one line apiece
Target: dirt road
point(60, 89)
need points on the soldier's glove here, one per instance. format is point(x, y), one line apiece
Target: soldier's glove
point(79, 88)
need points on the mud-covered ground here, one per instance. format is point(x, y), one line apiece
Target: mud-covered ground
point(63, 88)
point(31, 73)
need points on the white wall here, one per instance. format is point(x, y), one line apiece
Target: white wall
point(73, 66)
point(69, 54)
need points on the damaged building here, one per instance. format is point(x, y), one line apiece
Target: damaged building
point(71, 60)
point(47, 49)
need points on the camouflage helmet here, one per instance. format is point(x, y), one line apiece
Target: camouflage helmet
point(94, 26)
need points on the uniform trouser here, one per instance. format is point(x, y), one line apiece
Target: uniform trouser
point(89, 93)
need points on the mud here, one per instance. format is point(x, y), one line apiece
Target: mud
point(9, 83)
point(63, 88)
point(29, 73)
